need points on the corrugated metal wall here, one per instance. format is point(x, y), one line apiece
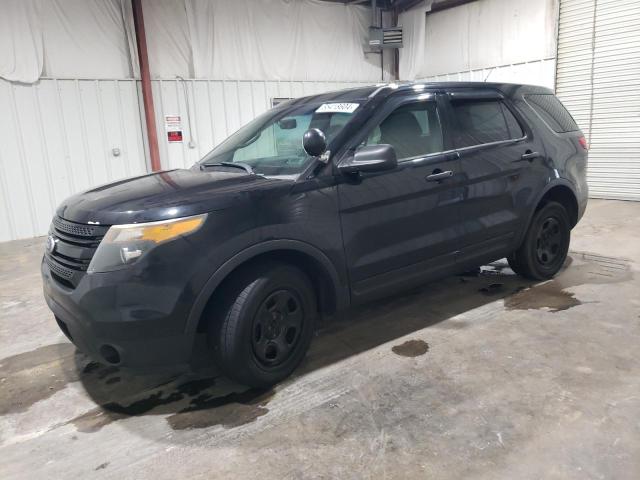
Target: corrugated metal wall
point(598, 79)
point(538, 72)
point(57, 138)
point(217, 109)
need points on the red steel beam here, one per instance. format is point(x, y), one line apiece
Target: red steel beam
point(147, 94)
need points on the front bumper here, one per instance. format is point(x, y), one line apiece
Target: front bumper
point(142, 322)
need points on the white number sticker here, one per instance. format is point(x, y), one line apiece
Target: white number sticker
point(337, 108)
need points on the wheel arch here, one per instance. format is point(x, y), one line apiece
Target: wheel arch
point(564, 194)
point(561, 191)
point(332, 293)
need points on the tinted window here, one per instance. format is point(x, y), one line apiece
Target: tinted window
point(412, 129)
point(515, 130)
point(552, 112)
point(484, 121)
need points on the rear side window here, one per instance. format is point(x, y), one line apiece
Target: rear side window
point(552, 112)
point(484, 121)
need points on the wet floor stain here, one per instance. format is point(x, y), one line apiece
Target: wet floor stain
point(581, 269)
point(411, 348)
point(542, 297)
point(33, 376)
point(36, 375)
point(228, 411)
point(93, 420)
point(110, 412)
point(30, 377)
point(204, 409)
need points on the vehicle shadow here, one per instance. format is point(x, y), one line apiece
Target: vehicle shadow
point(204, 398)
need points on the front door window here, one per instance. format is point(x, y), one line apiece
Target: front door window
point(412, 129)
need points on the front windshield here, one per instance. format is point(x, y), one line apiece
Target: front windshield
point(272, 143)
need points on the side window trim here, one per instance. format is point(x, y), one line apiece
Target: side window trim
point(483, 146)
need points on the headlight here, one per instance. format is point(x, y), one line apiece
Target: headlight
point(125, 244)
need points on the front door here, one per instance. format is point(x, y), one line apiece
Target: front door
point(400, 226)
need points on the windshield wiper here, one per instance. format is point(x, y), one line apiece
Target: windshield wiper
point(244, 166)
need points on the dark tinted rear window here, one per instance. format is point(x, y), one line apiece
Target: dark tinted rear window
point(484, 121)
point(552, 112)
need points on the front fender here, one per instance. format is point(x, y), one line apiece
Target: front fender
point(341, 290)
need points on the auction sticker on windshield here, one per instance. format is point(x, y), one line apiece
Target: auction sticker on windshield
point(337, 107)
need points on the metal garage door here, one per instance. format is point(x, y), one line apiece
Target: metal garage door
point(598, 79)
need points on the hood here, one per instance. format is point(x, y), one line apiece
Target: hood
point(164, 195)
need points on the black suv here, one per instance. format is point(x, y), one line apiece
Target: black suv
point(320, 203)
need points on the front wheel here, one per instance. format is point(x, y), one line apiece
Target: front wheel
point(264, 330)
point(545, 246)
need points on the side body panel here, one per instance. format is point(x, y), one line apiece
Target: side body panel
point(566, 158)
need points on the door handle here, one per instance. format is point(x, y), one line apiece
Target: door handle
point(438, 175)
point(529, 156)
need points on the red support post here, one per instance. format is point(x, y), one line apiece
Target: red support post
point(147, 93)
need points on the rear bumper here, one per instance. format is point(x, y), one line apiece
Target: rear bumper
point(98, 318)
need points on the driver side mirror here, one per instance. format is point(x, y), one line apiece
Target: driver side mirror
point(314, 142)
point(372, 158)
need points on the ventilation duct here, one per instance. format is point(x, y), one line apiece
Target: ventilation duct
point(389, 37)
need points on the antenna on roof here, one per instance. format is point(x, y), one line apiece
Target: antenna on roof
point(490, 72)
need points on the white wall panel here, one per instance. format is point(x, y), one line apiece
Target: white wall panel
point(476, 36)
point(539, 72)
point(56, 139)
point(218, 108)
point(598, 79)
point(488, 33)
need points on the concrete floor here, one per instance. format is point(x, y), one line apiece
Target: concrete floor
point(482, 376)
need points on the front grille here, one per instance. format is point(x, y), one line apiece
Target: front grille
point(76, 229)
point(76, 244)
point(58, 269)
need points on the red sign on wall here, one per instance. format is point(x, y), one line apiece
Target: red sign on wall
point(173, 126)
point(174, 136)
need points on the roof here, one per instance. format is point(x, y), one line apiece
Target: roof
point(366, 92)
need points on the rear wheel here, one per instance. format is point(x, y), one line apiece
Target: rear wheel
point(263, 332)
point(546, 243)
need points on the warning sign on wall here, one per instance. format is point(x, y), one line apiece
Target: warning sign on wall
point(173, 126)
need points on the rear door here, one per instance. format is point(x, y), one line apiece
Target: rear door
point(499, 158)
point(400, 226)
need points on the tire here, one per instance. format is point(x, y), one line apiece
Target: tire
point(545, 245)
point(263, 331)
